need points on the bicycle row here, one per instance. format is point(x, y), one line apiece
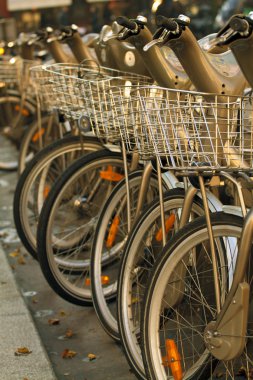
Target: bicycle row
point(145, 209)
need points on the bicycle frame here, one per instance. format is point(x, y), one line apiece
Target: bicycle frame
point(226, 337)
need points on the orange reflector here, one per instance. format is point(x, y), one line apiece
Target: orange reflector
point(38, 134)
point(173, 359)
point(1, 51)
point(46, 191)
point(169, 223)
point(24, 112)
point(112, 232)
point(105, 280)
point(110, 175)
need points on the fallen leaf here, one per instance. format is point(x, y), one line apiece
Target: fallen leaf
point(22, 351)
point(91, 357)
point(54, 321)
point(68, 333)
point(15, 253)
point(21, 260)
point(68, 354)
point(34, 300)
point(62, 313)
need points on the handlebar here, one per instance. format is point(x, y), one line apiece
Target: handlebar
point(239, 25)
point(127, 23)
point(167, 26)
point(167, 23)
point(130, 27)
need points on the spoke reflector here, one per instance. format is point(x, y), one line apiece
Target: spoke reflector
point(38, 134)
point(173, 359)
point(23, 111)
point(105, 280)
point(169, 223)
point(112, 232)
point(110, 175)
point(46, 191)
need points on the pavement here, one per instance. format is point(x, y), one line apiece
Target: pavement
point(28, 304)
point(18, 333)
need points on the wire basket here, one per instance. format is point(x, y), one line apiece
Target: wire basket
point(43, 88)
point(14, 72)
point(10, 70)
point(25, 79)
point(88, 92)
point(187, 130)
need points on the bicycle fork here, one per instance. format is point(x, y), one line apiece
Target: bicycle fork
point(225, 338)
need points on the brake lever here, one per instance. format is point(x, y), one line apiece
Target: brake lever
point(53, 38)
point(157, 41)
point(113, 37)
point(33, 40)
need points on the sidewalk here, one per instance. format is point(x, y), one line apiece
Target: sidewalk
point(17, 330)
point(27, 304)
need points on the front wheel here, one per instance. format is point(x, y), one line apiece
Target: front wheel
point(180, 302)
point(140, 254)
point(37, 179)
point(68, 220)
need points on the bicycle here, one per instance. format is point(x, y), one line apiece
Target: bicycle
point(26, 223)
point(104, 293)
point(188, 322)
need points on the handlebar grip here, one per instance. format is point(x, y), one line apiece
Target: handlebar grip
point(168, 23)
point(124, 21)
point(239, 24)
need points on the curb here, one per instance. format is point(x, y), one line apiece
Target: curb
point(17, 330)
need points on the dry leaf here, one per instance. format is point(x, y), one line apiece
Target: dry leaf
point(68, 333)
point(68, 354)
point(22, 351)
point(15, 253)
point(91, 357)
point(34, 300)
point(62, 313)
point(54, 321)
point(21, 260)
